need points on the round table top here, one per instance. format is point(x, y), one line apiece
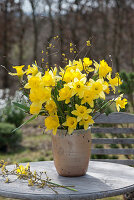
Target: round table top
point(102, 180)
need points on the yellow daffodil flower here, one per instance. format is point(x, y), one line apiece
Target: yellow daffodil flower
point(49, 79)
point(97, 65)
point(51, 107)
point(77, 74)
point(73, 91)
point(19, 71)
point(35, 108)
point(32, 70)
point(68, 76)
point(98, 87)
point(88, 97)
point(40, 95)
point(86, 122)
point(120, 103)
point(104, 69)
point(114, 81)
point(81, 112)
point(78, 86)
point(73, 70)
point(77, 64)
point(65, 94)
point(107, 90)
point(74, 65)
point(52, 123)
point(71, 122)
point(54, 71)
point(34, 82)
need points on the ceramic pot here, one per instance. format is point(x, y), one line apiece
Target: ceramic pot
point(71, 152)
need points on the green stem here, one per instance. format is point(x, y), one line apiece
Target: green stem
point(103, 107)
point(59, 108)
point(69, 188)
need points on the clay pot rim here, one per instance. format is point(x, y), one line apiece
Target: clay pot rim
point(78, 131)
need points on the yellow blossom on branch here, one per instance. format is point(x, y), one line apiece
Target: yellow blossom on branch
point(88, 43)
point(87, 62)
point(71, 44)
point(23, 170)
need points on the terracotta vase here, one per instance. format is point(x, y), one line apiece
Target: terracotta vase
point(71, 152)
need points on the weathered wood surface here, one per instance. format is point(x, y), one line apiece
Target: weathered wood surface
point(113, 141)
point(124, 162)
point(115, 151)
point(113, 130)
point(102, 180)
point(114, 118)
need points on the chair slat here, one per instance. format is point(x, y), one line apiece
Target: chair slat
point(113, 130)
point(113, 141)
point(100, 151)
point(114, 118)
point(125, 162)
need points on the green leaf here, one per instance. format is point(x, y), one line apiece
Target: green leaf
point(22, 107)
point(29, 120)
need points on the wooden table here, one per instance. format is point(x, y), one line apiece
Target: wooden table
point(102, 180)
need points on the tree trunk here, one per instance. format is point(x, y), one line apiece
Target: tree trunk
point(60, 30)
point(33, 5)
point(21, 34)
point(51, 33)
point(5, 46)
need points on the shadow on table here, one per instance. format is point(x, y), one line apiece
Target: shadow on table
point(86, 184)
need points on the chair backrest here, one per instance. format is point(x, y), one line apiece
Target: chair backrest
point(124, 137)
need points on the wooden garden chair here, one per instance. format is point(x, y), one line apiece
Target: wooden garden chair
point(114, 133)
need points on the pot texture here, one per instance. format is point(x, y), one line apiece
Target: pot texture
point(71, 152)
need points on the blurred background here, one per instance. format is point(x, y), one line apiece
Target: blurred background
point(27, 28)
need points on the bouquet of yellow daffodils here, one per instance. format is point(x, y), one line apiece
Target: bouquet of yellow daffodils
point(68, 97)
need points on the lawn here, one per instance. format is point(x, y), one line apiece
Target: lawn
point(35, 146)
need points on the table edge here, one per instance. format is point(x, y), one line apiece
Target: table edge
point(86, 196)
